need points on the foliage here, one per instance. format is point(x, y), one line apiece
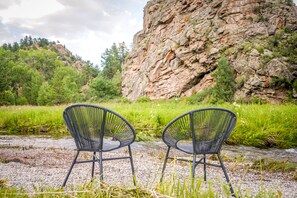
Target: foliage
point(143, 99)
point(260, 126)
point(6, 191)
point(65, 85)
point(7, 98)
point(199, 97)
point(113, 59)
point(257, 125)
point(45, 95)
point(38, 72)
point(274, 166)
point(284, 43)
point(103, 88)
point(225, 85)
point(173, 187)
point(28, 120)
point(89, 190)
point(190, 188)
point(281, 82)
point(224, 88)
point(107, 84)
point(295, 85)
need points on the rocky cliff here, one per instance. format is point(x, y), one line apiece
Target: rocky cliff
point(177, 51)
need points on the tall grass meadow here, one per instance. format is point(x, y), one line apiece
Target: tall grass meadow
point(264, 125)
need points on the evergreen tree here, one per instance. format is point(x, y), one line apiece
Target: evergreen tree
point(103, 88)
point(113, 59)
point(225, 85)
point(15, 47)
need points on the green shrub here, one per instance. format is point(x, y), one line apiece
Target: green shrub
point(222, 91)
point(199, 97)
point(274, 166)
point(224, 88)
point(103, 88)
point(281, 82)
point(260, 49)
point(257, 100)
point(21, 101)
point(7, 98)
point(143, 99)
point(284, 43)
point(294, 85)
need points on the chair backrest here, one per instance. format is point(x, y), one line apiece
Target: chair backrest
point(90, 124)
point(206, 129)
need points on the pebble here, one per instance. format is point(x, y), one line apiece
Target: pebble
point(34, 162)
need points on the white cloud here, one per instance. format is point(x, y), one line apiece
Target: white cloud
point(86, 27)
point(30, 9)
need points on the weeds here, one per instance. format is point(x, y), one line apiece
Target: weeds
point(171, 187)
point(274, 166)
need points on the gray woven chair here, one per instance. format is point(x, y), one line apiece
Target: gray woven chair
point(200, 132)
point(90, 125)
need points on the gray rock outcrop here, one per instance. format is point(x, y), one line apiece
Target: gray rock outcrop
point(177, 51)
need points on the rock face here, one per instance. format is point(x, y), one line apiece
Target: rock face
point(177, 51)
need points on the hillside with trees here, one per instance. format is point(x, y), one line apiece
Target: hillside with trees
point(37, 71)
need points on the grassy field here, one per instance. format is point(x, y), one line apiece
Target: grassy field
point(264, 125)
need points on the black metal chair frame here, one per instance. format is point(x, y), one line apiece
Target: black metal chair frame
point(193, 151)
point(100, 149)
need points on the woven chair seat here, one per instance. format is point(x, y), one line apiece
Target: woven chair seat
point(200, 132)
point(97, 129)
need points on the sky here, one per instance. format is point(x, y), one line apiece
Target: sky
point(86, 27)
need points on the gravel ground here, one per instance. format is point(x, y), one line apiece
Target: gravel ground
point(34, 162)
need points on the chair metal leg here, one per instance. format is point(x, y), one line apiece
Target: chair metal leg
point(93, 165)
point(194, 165)
point(204, 163)
point(226, 175)
point(101, 165)
point(132, 166)
point(73, 162)
point(165, 162)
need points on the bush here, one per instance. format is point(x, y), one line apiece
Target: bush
point(103, 88)
point(143, 99)
point(225, 85)
point(284, 44)
point(222, 91)
point(7, 98)
point(295, 85)
point(21, 101)
point(199, 97)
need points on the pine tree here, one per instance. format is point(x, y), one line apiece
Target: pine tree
point(225, 85)
point(113, 59)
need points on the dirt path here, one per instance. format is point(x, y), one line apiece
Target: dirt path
point(43, 162)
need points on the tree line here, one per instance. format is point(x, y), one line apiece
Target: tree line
point(36, 72)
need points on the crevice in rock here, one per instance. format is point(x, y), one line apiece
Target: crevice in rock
point(193, 82)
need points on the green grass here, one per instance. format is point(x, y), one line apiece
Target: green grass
point(266, 126)
point(32, 120)
point(89, 190)
point(172, 188)
point(263, 125)
point(274, 166)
